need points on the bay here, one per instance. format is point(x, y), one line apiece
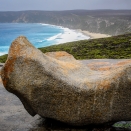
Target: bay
point(39, 34)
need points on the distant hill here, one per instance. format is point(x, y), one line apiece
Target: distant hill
point(116, 47)
point(113, 22)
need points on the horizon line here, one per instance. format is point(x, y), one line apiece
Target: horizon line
point(64, 10)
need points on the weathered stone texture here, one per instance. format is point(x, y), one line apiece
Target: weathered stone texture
point(61, 55)
point(65, 89)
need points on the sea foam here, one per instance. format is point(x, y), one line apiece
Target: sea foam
point(70, 35)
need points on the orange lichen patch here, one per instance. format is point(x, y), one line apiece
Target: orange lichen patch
point(8, 68)
point(114, 66)
point(106, 68)
point(120, 72)
point(67, 66)
point(99, 63)
point(58, 54)
point(93, 67)
point(89, 85)
point(107, 73)
point(115, 73)
point(123, 63)
point(17, 49)
point(104, 84)
point(99, 66)
point(9, 65)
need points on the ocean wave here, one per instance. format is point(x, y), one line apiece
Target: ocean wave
point(67, 36)
point(41, 41)
point(70, 35)
point(43, 24)
point(56, 26)
point(55, 37)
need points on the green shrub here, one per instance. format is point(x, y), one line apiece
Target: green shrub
point(3, 58)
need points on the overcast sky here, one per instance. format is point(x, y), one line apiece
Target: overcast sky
point(17, 5)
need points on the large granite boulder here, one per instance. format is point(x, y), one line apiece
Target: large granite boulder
point(64, 88)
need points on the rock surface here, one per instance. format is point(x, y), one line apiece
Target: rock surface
point(1, 64)
point(61, 55)
point(67, 91)
point(13, 117)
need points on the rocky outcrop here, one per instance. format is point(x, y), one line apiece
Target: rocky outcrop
point(66, 90)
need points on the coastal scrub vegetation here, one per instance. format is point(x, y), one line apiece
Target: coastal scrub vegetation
point(112, 22)
point(3, 58)
point(115, 47)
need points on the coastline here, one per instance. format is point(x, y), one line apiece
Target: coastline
point(67, 35)
point(70, 35)
point(93, 35)
point(41, 35)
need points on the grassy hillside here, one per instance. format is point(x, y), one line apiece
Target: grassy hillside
point(116, 47)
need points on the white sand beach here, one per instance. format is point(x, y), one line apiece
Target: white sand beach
point(93, 35)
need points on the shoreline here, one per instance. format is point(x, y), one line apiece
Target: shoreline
point(68, 35)
point(93, 35)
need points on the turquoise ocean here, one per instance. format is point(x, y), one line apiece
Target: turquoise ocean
point(40, 35)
